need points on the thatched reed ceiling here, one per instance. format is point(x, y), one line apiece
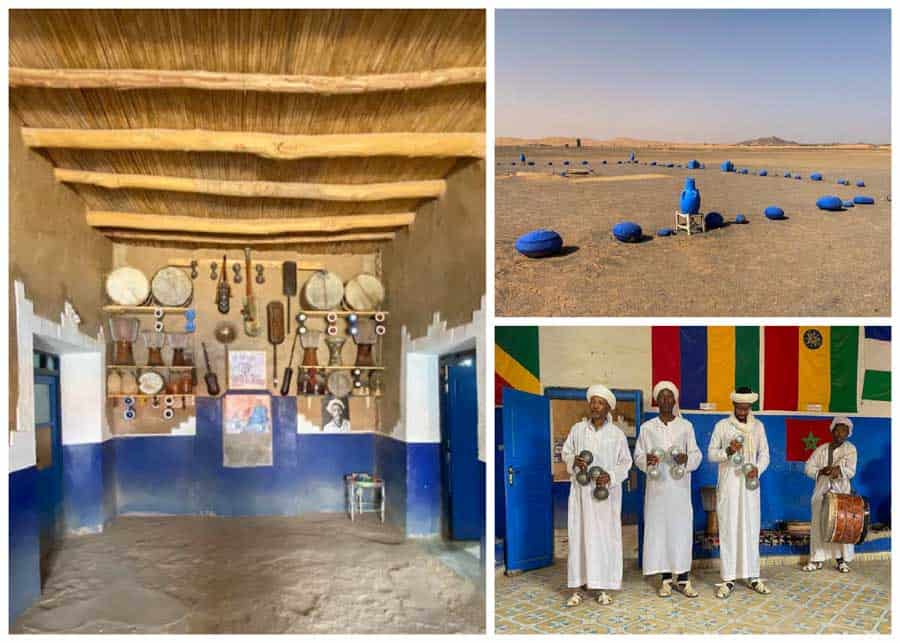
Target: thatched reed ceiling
point(318, 42)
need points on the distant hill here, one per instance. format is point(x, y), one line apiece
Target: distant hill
point(769, 140)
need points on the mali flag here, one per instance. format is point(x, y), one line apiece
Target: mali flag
point(811, 368)
point(706, 363)
point(516, 360)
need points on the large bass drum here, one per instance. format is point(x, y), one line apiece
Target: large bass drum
point(128, 286)
point(845, 518)
point(172, 287)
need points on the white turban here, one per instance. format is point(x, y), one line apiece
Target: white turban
point(842, 419)
point(335, 402)
point(744, 398)
point(663, 385)
point(598, 390)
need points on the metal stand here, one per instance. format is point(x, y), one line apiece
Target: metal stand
point(356, 501)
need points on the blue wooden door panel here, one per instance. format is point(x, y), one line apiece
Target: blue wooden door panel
point(527, 478)
point(466, 486)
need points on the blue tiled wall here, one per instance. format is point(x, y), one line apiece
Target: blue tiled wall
point(423, 489)
point(83, 487)
point(390, 464)
point(24, 541)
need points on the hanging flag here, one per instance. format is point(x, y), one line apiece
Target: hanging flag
point(811, 368)
point(877, 363)
point(804, 436)
point(516, 362)
point(706, 363)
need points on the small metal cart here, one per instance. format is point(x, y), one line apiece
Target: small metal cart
point(356, 485)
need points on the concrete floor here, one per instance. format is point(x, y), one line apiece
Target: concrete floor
point(315, 574)
point(824, 602)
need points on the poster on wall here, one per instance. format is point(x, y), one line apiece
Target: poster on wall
point(247, 370)
point(247, 431)
point(335, 414)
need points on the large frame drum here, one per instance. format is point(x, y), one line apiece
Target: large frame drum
point(845, 518)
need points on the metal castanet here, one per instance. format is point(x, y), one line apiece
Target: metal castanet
point(845, 518)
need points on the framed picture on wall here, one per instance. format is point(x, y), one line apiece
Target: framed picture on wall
point(247, 370)
point(335, 414)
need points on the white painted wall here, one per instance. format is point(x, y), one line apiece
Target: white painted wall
point(82, 384)
point(420, 417)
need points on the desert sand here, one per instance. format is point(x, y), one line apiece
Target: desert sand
point(813, 263)
point(315, 574)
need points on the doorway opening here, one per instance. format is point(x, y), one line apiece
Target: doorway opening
point(49, 461)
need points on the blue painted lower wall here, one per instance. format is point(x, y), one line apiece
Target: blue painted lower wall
point(423, 489)
point(24, 541)
point(84, 508)
point(390, 465)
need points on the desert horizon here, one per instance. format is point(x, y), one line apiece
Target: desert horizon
point(771, 142)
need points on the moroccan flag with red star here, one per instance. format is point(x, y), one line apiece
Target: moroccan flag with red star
point(804, 436)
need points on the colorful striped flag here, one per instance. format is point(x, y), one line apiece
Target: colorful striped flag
point(516, 360)
point(706, 362)
point(811, 368)
point(877, 363)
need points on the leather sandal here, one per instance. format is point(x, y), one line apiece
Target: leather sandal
point(812, 566)
point(723, 590)
point(603, 598)
point(758, 586)
point(686, 588)
point(665, 588)
point(843, 567)
point(575, 599)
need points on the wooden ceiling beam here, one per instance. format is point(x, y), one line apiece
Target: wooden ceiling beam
point(218, 240)
point(125, 79)
point(274, 146)
point(429, 189)
point(247, 227)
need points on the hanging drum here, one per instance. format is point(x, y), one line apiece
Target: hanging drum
point(845, 518)
point(364, 292)
point(324, 291)
point(340, 384)
point(172, 287)
point(151, 383)
point(128, 287)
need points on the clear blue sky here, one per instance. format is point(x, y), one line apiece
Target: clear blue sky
point(702, 75)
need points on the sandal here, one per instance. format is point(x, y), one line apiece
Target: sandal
point(757, 585)
point(665, 588)
point(843, 567)
point(687, 589)
point(723, 590)
point(603, 598)
point(812, 566)
point(575, 599)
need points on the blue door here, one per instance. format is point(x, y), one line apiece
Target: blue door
point(528, 480)
point(463, 473)
point(48, 437)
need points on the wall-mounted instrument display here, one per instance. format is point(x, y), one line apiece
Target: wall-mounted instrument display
point(128, 287)
point(275, 328)
point(250, 311)
point(212, 382)
point(172, 287)
point(223, 291)
point(289, 286)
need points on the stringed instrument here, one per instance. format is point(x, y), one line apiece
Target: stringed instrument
point(250, 310)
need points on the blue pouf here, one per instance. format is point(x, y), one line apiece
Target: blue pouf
point(670, 165)
point(690, 197)
point(693, 164)
point(773, 212)
point(815, 176)
point(798, 177)
point(863, 200)
point(727, 166)
point(843, 182)
point(652, 162)
point(787, 175)
point(627, 231)
point(744, 171)
point(860, 184)
point(848, 204)
point(829, 203)
point(740, 219)
point(539, 243)
point(703, 166)
point(714, 220)
point(522, 157)
point(584, 162)
point(664, 232)
point(763, 173)
point(565, 162)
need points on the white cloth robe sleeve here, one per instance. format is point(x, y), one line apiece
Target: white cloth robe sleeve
point(623, 463)
point(694, 454)
point(568, 452)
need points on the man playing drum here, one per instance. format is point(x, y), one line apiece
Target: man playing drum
point(831, 465)
point(595, 525)
point(668, 515)
point(739, 446)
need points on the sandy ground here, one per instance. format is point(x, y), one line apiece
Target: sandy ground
point(812, 264)
point(316, 574)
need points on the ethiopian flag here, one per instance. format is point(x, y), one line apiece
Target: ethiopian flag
point(706, 363)
point(811, 368)
point(516, 361)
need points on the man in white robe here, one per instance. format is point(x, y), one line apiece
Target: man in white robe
point(832, 465)
point(737, 506)
point(668, 513)
point(595, 526)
